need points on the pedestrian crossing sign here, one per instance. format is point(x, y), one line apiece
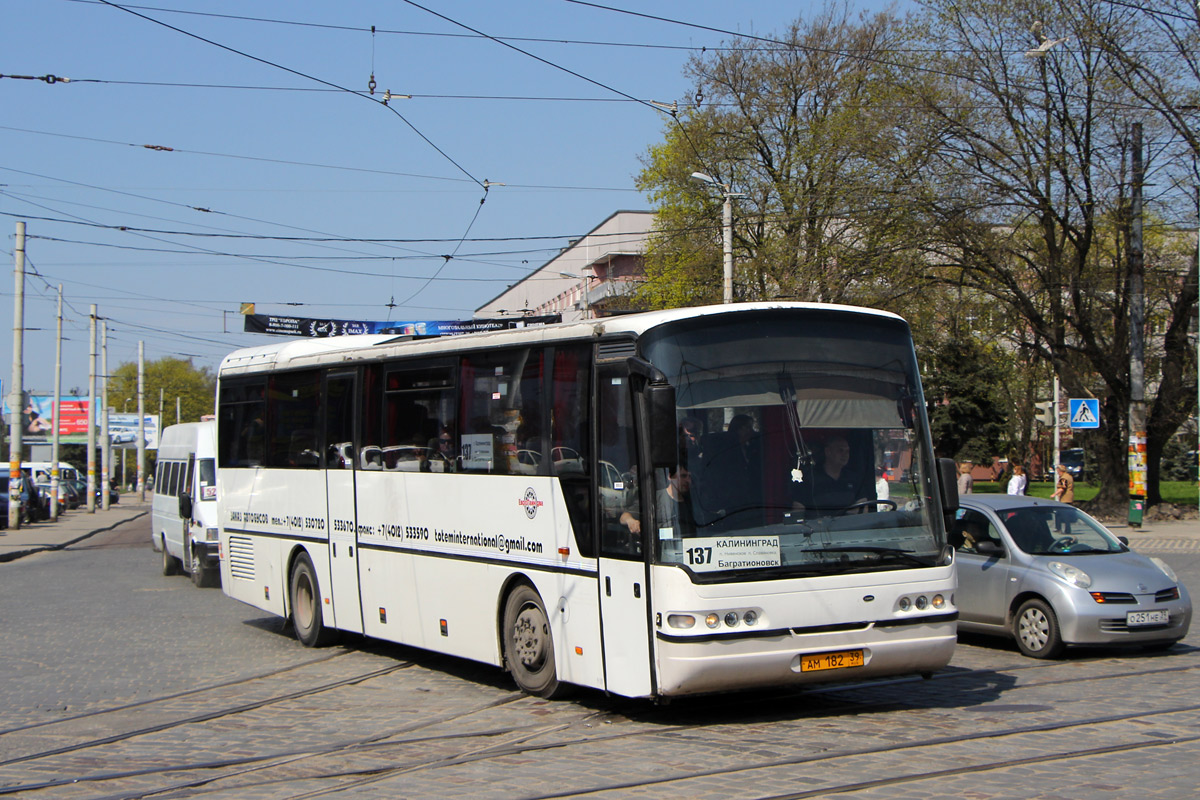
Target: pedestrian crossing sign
point(1084, 412)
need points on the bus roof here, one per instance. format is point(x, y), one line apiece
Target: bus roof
point(371, 347)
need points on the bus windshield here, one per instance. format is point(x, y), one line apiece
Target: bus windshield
point(803, 447)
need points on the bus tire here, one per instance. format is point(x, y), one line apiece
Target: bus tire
point(170, 564)
point(529, 645)
point(305, 598)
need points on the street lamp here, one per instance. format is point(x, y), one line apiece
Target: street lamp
point(726, 228)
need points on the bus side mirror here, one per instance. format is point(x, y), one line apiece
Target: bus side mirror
point(664, 440)
point(948, 484)
point(185, 505)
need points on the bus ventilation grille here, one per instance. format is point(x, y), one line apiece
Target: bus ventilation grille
point(241, 557)
point(615, 351)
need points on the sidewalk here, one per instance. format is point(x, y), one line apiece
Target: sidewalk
point(71, 527)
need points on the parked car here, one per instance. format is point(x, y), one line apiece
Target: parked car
point(68, 498)
point(1048, 575)
point(1073, 460)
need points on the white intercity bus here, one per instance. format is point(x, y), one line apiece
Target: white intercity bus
point(653, 505)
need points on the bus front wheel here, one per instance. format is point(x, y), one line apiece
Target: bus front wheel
point(306, 605)
point(529, 645)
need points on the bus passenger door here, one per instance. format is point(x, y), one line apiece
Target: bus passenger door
point(624, 589)
point(339, 405)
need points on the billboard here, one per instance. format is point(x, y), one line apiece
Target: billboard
point(38, 422)
point(123, 430)
point(37, 417)
point(312, 327)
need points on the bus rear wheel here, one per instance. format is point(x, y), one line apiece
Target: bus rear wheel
point(305, 599)
point(529, 645)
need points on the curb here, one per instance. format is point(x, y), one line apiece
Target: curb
point(13, 556)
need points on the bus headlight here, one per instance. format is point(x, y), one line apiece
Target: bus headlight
point(939, 601)
point(681, 620)
point(731, 619)
point(922, 603)
point(712, 620)
point(905, 604)
point(750, 617)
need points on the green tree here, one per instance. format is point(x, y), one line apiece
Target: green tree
point(967, 416)
point(1027, 202)
point(807, 128)
point(170, 379)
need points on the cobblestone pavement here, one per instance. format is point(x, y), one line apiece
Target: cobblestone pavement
point(120, 682)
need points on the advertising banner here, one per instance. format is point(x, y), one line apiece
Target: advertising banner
point(37, 417)
point(123, 430)
point(314, 327)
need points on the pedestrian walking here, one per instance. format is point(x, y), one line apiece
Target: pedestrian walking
point(1064, 490)
point(1017, 483)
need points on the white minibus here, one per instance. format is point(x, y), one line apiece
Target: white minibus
point(184, 518)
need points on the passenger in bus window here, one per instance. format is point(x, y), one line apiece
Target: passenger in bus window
point(672, 506)
point(835, 486)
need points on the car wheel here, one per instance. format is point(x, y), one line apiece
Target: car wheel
point(1036, 630)
point(306, 605)
point(202, 576)
point(170, 564)
point(529, 645)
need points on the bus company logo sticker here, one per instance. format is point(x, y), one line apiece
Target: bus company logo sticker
point(530, 503)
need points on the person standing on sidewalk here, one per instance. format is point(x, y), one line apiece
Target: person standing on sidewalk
point(966, 483)
point(1064, 491)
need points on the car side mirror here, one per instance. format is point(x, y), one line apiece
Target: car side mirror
point(989, 549)
point(185, 505)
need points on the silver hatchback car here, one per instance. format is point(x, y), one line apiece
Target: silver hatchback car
point(1048, 575)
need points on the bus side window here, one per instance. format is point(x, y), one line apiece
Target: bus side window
point(500, 425)
point(620, 508)
point(294, 413)
point(570, 397)
point(418, 412)
point(242, 423)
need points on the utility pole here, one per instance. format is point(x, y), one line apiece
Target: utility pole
point(1137, 347)
point(726, 231)
point(57, 413)
point(141, 442)
point(16, 394)
point(91, 420)
point(105, 436)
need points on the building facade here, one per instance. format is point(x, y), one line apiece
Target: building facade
point(592, 277)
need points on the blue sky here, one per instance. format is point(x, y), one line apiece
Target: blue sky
point(265, 145)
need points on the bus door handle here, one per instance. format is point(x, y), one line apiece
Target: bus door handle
point(608, 585)
point(637, 590)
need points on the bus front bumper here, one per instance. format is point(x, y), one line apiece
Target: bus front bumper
point(715, 664)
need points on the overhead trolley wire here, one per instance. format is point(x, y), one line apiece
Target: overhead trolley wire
point(300, 74)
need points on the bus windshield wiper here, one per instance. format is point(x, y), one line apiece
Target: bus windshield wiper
point(883, 551)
